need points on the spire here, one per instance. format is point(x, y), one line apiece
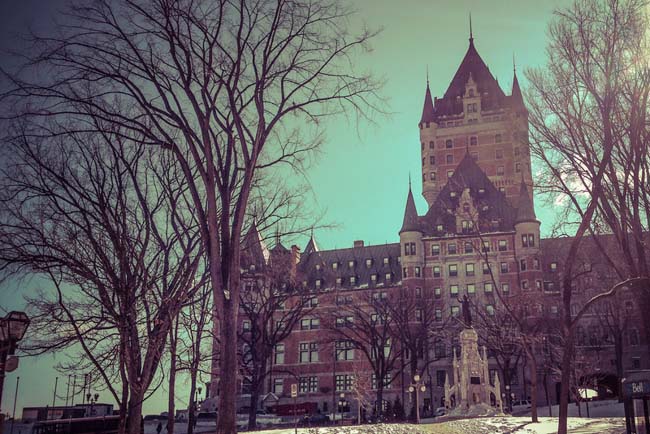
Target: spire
point(410, 223)
point(526, 210)
point(254, 250)
point(516, 96)
point(471, 33)
point(311, 247)
point(428, 111)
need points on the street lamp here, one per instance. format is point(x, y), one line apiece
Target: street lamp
point(92, 399)
point(509, 398)
point(417, 387)
point(12, 330)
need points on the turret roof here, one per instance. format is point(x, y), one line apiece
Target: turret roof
point(411, 220)
point(428, 112)
point(526, 210)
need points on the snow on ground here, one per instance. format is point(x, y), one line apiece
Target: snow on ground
point(608, 408)
point(484, 425)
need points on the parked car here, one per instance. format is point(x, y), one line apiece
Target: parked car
point(520, 404)
point(440, 411)
point(316, 419)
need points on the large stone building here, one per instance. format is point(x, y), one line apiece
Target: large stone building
point(480, 237)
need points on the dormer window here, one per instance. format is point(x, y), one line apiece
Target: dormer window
point(386, 261)
point(368, 263)
point(439, 228)
point(373, 278)
point(450, 173)
point(252, 268)
point(388, 276)
point(339, 281)
point(350, 264)
point(353, 280)
point(317, 267)
point(335, 265)
point(318, 283)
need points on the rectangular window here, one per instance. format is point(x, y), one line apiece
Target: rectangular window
point(353, 280)
point(437, 292)
point(418, 273)
point(453, 290)
point(498, 154)
point(449, 144)
point(385, 261)
point(450, 158)
point(436, 271)
point(308, 352)
point(246, 325)
point(435, 249)
point(486, 246)
point(517, 167)
point(405, 272)
point(438, 314)
point(471, 288)
point(536, 263)
point(474, 156)
point(497, 138)
point(538, 285)
point(418, 315)
point(455, 310)
point(278, 386)
point(418, 292)
point(501, 171)
point(516, 151)
point(450, 173)
point(386, 381)
point(431, 145)
point(335, 265)
point(344, 382)
point(486, 268)
point(441, 376)
point(432, 160)
point(453, 270)
point(466, 226)
point(469, 248)
point(505, 288)
point(469, 269)
point(303, 384)
point(553, 266)
point(503, 245)
point(344, 350)
point(451, 249)
point(488, 287)
point(489, 309)
point(504, 267)
point(432, 176)
point(524, 284)
point(313, 302)
point(473, 141)
point(388, 277)
point(531, 240)
point(522, 265)
point(279, 354)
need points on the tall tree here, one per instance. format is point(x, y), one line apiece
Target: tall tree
point(104, 222)
point(595, 49)
point(228, 87)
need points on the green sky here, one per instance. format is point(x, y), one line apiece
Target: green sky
point(361, 178)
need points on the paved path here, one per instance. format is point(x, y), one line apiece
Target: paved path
point(608, 426)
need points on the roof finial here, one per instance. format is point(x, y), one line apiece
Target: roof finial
point(471, 34)
point(514, 65)
point(427, 75)
point(409, 181)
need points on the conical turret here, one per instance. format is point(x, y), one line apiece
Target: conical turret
point(410, 222)
point(526, 209)
point(516, 96)
point(428, 111)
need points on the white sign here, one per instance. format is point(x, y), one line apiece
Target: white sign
point(294, 390)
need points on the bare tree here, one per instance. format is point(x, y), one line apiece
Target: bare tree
point(575, 103)
point(226, 87)
point(272, 305)
point(370, 328)
point(104, 222)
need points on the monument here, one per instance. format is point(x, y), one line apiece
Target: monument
point(471, 389)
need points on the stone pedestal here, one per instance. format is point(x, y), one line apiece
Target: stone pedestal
point(471, 377)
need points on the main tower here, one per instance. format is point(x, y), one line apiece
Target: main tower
point(475, 116)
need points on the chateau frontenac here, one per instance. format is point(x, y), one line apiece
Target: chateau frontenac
point(479, 239)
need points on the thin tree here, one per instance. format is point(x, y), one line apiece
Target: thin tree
point(103, 222)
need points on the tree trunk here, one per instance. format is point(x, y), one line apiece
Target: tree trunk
point(134, 417)
point(532, 364)
point(565, 378)
point(226, 423)
point(171, 404)
point(256, 385)
point(548, 403)
point(191, 406)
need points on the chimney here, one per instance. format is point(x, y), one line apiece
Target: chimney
point(358, 244)
point(295, 258)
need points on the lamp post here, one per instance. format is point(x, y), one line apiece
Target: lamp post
point(417, 387)
point(12, 330)
point(509, 398)
point(92, 399)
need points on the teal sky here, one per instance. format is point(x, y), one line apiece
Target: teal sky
point(360, 179)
